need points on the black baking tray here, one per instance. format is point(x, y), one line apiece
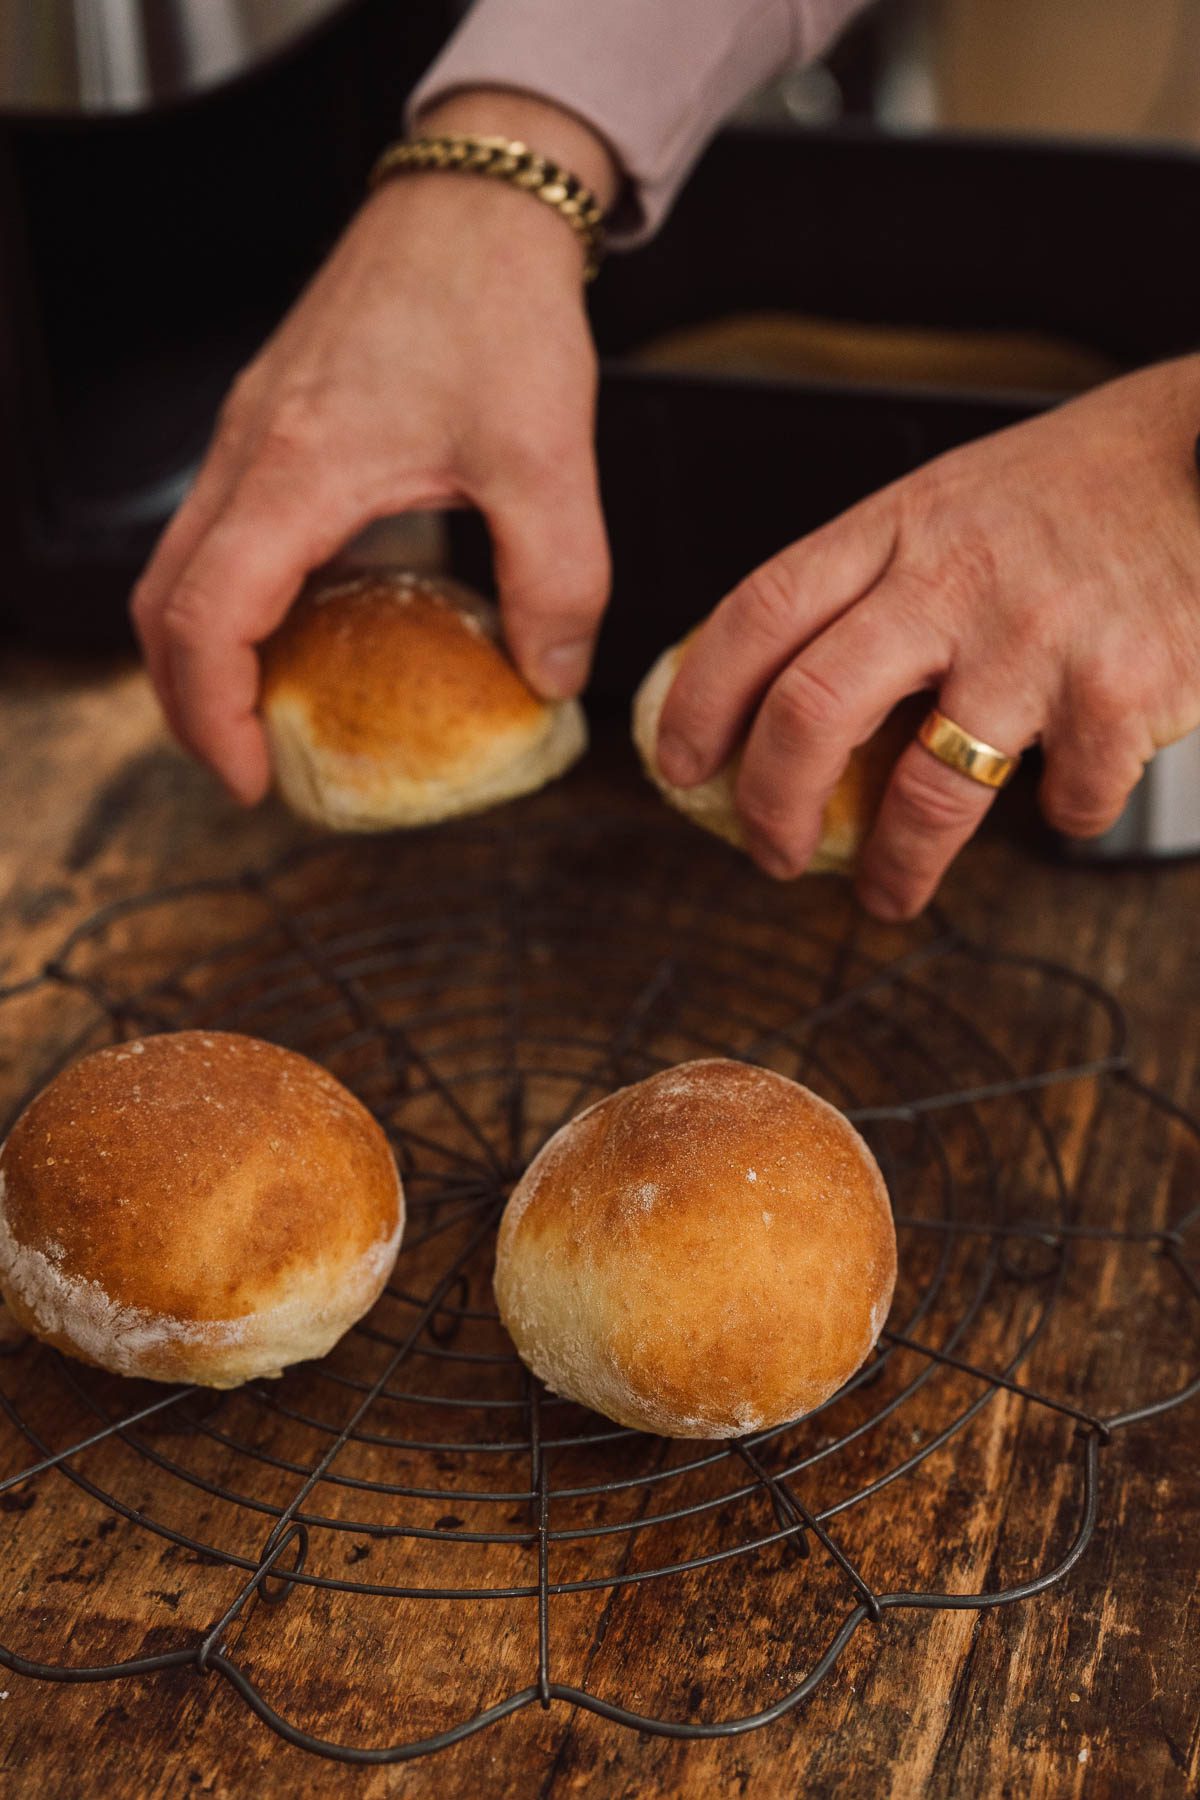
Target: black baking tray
point(704, 475)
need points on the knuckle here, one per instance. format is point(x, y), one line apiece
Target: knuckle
point(762, 816)
point(294, 433)
point(187, 613)
point(934, 799)
point(1031, 626)
point(1109, 689)
point(803, 705)
point(765, 602)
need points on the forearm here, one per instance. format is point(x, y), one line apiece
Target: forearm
point(652, 79)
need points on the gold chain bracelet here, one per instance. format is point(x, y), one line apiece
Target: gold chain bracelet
point(505, 160)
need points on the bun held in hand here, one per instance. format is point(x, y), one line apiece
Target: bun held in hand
point(851, 808)
point(389, 701)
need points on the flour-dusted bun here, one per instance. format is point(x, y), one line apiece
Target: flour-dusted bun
point(851, 808)
point(198, 1207)
point(708, 1253)
point(389, 701)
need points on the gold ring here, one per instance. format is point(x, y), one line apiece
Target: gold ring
point(969, 755)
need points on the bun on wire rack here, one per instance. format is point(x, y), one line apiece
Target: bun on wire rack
point(708, 1253)
point(197, 1206)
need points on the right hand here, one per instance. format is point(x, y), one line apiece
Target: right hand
point(441, 356)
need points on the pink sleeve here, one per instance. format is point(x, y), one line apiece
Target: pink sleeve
point(653, 77)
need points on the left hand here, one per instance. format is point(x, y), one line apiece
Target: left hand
point(1044, 582)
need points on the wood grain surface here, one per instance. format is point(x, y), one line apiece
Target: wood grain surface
point(1093, 1690)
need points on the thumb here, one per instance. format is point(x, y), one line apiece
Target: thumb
point(552, 573)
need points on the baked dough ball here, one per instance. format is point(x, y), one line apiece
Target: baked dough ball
point(197, 1207)
point(708, 1253)
point(851, 808)
point(389, 701)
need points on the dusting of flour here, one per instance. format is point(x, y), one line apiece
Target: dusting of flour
point(122, 1338)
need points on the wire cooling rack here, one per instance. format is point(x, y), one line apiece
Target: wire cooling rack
point(414, 1515)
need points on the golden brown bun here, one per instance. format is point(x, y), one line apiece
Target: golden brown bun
point(708, 1253)
point(851, 808)
point(389, 701)
point(198, 1206)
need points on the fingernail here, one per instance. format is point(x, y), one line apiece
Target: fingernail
point(562, 669)
point(880, 904)
point(768, 858)
point(677, 760)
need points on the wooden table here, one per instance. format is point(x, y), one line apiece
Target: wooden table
point(1095, 1691)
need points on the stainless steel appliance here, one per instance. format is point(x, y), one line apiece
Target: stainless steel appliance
point(110, 56)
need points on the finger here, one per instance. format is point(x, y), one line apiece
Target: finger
point(833, 696)
point(175, 548)
point(1077, 802)
point(1095, 746)
point(929, 810)
point(757, 630)
point(552, 573)
point(231, 595)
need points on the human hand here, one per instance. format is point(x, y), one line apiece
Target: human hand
point(441, 356)
point(1044, 582)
